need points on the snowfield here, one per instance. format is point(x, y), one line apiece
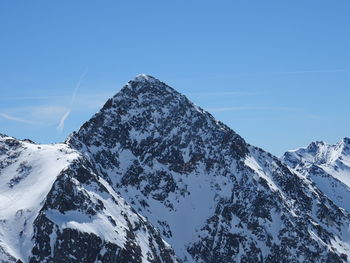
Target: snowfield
point(27, 175)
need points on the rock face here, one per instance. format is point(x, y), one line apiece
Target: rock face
point(328, 166)
point(152, 177)
point(213, 197)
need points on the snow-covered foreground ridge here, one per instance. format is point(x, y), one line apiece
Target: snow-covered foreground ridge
point(28, 172)
point(54, 208)
point(152, 177)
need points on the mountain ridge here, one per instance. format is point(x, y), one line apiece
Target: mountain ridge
point(67, 213)
point(328, 165)
point(158, 179)
point(163, 153)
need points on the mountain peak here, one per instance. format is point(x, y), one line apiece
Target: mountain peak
point(315, 146)
point(318, 152)
point(199, 182)
point(152, 165)
point(145, 110)
point(146, 84)
point(145, 78)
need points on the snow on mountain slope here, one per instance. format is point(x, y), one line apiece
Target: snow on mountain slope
point(55, 208)
point(27, 172)
point(152, 166)
point(214, 197)
point(328, 166)
point(84, 220)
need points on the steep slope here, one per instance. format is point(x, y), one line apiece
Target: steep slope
point(55, 208)
point(27, 172)
point(328, 166)
point(214, 197)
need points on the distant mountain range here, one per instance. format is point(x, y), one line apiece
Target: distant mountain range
point(327, 166)
point(152, 177)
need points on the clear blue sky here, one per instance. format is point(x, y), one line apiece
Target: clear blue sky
point(277, 72)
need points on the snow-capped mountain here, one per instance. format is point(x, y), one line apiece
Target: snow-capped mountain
point(55, 208)
point(214, 197)
point(328, 166)
point(151, 177)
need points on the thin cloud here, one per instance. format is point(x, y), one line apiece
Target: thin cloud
point(52, 112)
point(273, 73)
point(13, 118)
point(60, 126)
point(314, 71)
point(247, 108)
point(33, 97)
point(46, 115)
point(225, 93)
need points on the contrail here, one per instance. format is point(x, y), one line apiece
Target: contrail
point(60, 126)
point(13, 118)
point(63, 119)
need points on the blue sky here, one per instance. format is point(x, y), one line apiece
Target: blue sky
point(277, 72)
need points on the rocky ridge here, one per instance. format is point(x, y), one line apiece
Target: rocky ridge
point(214, 197)
point(152, 177)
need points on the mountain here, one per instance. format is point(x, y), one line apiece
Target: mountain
point(328, 166)
point(214, 197)
point(55, 208)
point(151, 177)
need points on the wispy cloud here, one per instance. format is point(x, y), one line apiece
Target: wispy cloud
point(52, 112)
point(33, 97)
point(314, 71)
point(238, 75)
point(13, 118)
point(60, 126)
point(44, 113)
point(224, 93)
point(248, 108)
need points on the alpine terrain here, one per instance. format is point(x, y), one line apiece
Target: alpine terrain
point(152, 177)
point(328, 166)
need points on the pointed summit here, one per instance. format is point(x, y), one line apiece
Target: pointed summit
point(313, 147)
point(201, 184)
point(145, 78)
point(151, 165)
point(146, 112)
point(146, 84)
